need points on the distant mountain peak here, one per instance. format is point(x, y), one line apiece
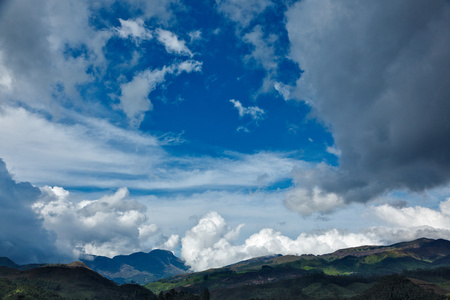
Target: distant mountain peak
point(139, 267)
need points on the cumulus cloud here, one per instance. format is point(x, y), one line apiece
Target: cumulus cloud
point(242, 11)
point(307, 201)
point(172, 242)
point(33, 48)
point(134, 29)
point(206, 245)
point(172, 43)
point(377, 76)
point(254, 112)
point(23, 237)
point(111, 225)
point(210, 243)
point(416, 216)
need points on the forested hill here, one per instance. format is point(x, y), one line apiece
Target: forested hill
point(344, 273)
point(73, 281)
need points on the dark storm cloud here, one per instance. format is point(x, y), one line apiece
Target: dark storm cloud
point(378, 74)
point(22, 236)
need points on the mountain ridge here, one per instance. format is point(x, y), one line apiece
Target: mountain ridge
point(363, 261)
point(139, 267)
point(422, 267)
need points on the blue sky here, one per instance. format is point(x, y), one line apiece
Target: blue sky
point(221, 130)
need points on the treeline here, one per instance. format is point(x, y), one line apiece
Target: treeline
point(397, 287)
point(183, 295)
point(21, 289)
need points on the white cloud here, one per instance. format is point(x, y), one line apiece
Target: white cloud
point(134, 99)
point(307, 196)
point(172, 242)
point(284, 90)
point(205, 245)
point(162, 10)
point(195, 35)
point(334, 150)
point(212, 243)
point(415, 216)
point(134, 29)
point(172, 43)
point(242, 11)
point(147, 231)
point(209, 244)
point(189, 66)
point(254, 112)
point(43, 152)
point(111, 225)
point(307, 202)
point(263, 55)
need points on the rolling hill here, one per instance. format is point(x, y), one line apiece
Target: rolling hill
point(73, 281)
point(421, 268)
point(344, 273)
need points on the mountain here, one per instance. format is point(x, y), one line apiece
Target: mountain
point(64, 282)
point(344, 273)
point(138, 267)
point(6, 262)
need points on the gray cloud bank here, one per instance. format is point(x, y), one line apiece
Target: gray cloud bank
point(377, 74)
point(22, 236)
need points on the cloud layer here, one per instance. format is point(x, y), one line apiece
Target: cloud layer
point(377, 75)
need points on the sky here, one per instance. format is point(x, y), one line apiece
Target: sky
point(221, 130)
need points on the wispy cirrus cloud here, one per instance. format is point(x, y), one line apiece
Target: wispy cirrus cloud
point(83, 155)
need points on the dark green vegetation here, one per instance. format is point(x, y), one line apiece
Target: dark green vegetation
point(421, 270)
point(343, 274)
point(64, 282)
point(138, 267)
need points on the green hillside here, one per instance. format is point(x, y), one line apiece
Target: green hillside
point(64, 282)
point(347, 272)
